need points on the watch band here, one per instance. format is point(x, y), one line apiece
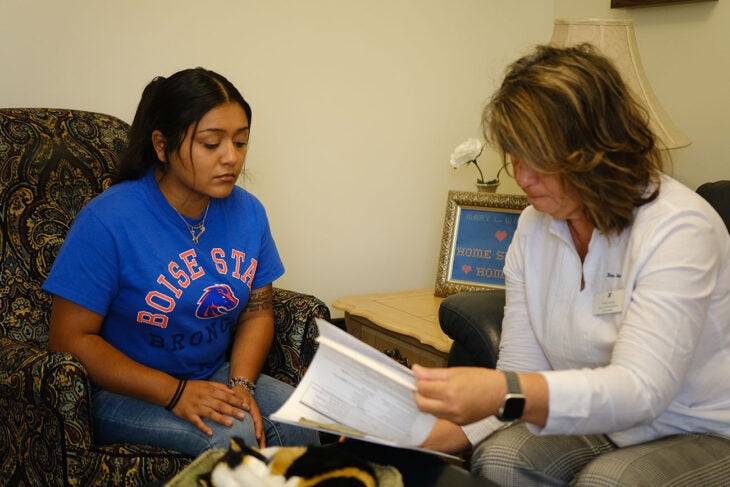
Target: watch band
point(514, 400)
point(513, 383)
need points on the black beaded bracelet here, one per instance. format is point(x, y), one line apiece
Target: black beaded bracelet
point(178, 394)
point(242, 381)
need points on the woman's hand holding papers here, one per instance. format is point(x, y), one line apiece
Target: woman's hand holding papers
point(459, 394)
point(464, 395)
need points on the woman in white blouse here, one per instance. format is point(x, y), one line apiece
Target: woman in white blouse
point(616, 336)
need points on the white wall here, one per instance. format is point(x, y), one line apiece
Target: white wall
point(357, 104)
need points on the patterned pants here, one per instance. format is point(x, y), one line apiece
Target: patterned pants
point(515, 457)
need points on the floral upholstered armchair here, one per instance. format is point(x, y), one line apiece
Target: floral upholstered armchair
point(52, 162)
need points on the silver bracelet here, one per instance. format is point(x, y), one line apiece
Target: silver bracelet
point(242, 381)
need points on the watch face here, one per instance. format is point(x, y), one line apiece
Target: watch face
point(513, 406)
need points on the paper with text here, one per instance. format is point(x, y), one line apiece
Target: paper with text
point(354, 390)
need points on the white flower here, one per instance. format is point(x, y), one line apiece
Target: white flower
point(466, 152)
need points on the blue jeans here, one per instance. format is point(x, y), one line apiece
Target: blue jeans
point(123, 419)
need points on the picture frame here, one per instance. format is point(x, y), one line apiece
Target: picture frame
point(478, 228)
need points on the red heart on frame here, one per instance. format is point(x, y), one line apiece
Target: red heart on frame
point(466, 268)
point(500, 234)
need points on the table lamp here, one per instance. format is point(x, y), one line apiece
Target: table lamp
point(617, 41)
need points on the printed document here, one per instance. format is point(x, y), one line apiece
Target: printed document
point(352, 389)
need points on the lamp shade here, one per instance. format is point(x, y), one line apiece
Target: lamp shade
point(616, 40)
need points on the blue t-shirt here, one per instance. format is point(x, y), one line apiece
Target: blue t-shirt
point(167, 303)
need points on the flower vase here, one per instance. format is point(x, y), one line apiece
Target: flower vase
point(487, 187)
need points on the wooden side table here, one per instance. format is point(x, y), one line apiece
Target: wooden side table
point(404, 325)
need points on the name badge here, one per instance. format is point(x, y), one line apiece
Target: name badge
point(608, 302)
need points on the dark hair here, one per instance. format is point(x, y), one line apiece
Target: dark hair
point(172, 105)
point(566, 111)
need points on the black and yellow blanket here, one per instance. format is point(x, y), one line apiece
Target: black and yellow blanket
point(242, 466)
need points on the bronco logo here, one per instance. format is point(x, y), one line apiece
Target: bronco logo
point(216, 301)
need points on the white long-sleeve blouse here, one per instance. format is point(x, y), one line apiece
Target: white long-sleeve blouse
point(643, 350)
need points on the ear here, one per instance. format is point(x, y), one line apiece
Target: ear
point(158, 143)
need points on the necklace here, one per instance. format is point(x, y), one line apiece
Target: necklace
point(195, 230)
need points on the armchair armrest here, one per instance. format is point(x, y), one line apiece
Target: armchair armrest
point(474, 321)
point(46, 399)
point(295, 333)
